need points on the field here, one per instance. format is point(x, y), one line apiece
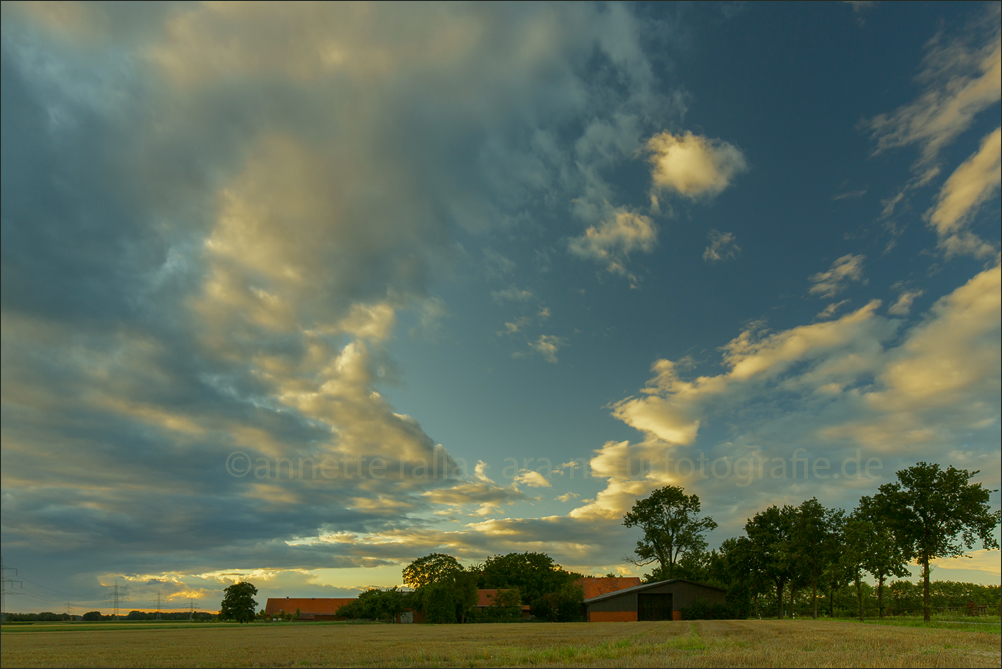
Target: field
point(684, 644)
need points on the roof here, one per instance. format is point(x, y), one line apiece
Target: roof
point(485, 596)
point(595, 586)
point(306, 605)
point(645, 586)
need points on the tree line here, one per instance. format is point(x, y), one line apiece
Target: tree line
point(927, 514)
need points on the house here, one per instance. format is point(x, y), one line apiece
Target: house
point(309, 608)
point(650, 601)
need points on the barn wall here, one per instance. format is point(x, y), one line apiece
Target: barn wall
point(612, 616)
point(689, 593)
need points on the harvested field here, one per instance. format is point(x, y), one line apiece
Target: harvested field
point(698, 644)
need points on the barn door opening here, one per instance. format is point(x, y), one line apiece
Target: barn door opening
point(654, 606)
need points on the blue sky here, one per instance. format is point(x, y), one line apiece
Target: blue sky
point(242, 239)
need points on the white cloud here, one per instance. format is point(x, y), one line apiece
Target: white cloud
point(722, 247)
point(962, 78)
point(970, 185)
point(547, 346)
point(845, 270)
point(533, 479)
point(622, 232)
point(512, 294)
point(830, 310)
point(903, 305)
point(693, 165)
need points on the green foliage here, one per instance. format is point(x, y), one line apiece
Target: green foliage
point(770, 552)
point(672, 528)
point(374, 604)
point(439, 605)
point(534, 574)
point(92, 616)
point(936, 513)
point(704, 610)
point(430, 569)
point(238, 603)
point(563, 606)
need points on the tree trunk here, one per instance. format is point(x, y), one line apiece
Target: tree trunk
point(814, 599)
point(779, 598)
point(831, 600)
point(859, 596)
point(925, 586)
point(880, 594)
point(793, 596)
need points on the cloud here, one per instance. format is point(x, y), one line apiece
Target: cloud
point(969, 186)
point(902, 306)
point(533, 479)
point(722, 247)
point(830, 310)
point(849, 195)
point(961, 78)
point(845, 270)
point(692, 165)
point(547, 346)
point(856, 386)
point(622, 232)
point(512, 294)
point(213, 231)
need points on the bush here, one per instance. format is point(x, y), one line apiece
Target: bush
point(704, 610)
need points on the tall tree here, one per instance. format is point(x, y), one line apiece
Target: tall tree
point(238, 603)
point(672, 528)
point(770, 550)
point(809, 543)
point(936, 513)
point(430, 569)
point(534, 574)
point(885, 556)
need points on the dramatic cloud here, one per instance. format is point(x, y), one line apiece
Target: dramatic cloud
point(970, 185)
point(847, 269)
point(692, 165)
point(219, 217)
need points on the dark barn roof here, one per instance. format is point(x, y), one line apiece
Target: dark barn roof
point(645, 586)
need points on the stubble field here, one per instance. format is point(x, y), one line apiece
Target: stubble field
point(683, 644)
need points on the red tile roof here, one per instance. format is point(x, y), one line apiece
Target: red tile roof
point(485, 597)
point(593, 587)
point(305, 605)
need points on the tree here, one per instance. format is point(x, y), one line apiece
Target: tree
point(811, 530)
point(430, 569)
point(927, 508)
point(672, 528)
point(238, 603)
point(534, 574)
point(374, 604)
point(885, 556)
point(769, 550)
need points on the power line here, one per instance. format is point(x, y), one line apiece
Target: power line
point(4, 590)
point(116, 595)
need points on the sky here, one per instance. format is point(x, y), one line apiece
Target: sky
point(298, 293)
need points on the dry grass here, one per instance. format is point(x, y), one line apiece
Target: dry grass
point(701, 644)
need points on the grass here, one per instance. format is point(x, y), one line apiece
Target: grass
point(692, 644)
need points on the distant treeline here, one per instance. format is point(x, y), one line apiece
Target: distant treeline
point(97, 616)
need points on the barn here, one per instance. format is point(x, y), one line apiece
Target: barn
point(308, 608)
point(650, 601)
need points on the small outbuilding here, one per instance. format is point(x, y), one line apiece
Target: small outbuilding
point(650, 601)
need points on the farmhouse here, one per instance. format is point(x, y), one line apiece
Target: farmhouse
point(309, 608)
point(650, 601)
